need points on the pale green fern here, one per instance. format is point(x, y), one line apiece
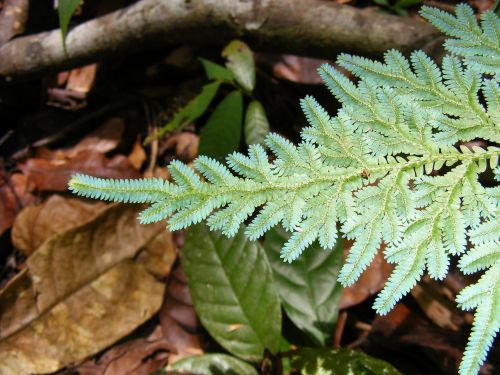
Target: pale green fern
point(386, 167)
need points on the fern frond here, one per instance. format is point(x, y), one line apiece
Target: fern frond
point(127, 191)
point(386, 168)
point(478, 45)
point(484, 296)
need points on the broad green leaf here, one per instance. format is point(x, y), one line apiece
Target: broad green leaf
point(339, 362)
point(240, 62)
point(191, 112)
point(233, 291)
point(66, 9)
point(213, 364)
point(216, 71)
point(256, 124)
point(307, 287)
point(222, 132)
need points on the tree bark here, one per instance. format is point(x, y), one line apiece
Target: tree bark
point(306, 27)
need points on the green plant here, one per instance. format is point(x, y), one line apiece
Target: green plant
point(65, 10)
point(226, 119)
point(398, 6)
point(386, 167)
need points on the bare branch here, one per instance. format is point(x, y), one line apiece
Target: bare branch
point(307, 27)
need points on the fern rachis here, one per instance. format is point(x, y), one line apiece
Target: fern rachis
point(369, 168)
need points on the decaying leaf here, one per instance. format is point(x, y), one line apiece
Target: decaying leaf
point(178, 318)
point(35, 224)
point(104, 139)
point(80, 292)
point(81, 79)
point(436, 307)
point(137, 156)
point(369, 283)
point(406, 335)
point(53, 175)
point(134, 357)
point(185, 143)
point(85, 322)
point(15, 192)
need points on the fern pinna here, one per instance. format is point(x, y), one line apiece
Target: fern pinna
point(389, 167)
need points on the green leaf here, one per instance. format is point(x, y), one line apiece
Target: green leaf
point(191, 112)
point(256, 124)
point(339, 362)
point(407, 3)
point(233, 291)
point(307, 287)
point(222, 132)
point(213, 364)
point(216, 71)
point(240, 62)
point(66, 9)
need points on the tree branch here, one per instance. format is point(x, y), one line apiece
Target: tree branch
point(307, 27)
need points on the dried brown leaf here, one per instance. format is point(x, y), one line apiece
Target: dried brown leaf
point(440, 310)
point(90, 319)
point(406, 335)
point(185, 144)
point(15, 192)
point(35, 224)
point(80, 293)
point(178, 317)
point(137, 156)
point(103, 139)
point(159, 254)
point(370, 282)
point(134, 357)
point(53, 175)
point(81, 79)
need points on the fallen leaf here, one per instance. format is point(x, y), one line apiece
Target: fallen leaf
point(159, 254)
point(65, 99)
point(185, 144)
point(137, 156)
point(53, 175)
point(103, 139)
point(80, 292)
point(161, 172)
point(482, 5)
point(81, 79)
point(406, 336)
point(35, 224)
point(440, 310)
point(9, 207)
point(178, 317)
point(15, 193)
point(293, 68)
point(92, 318)
point(134, 357)
point(370, 282)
